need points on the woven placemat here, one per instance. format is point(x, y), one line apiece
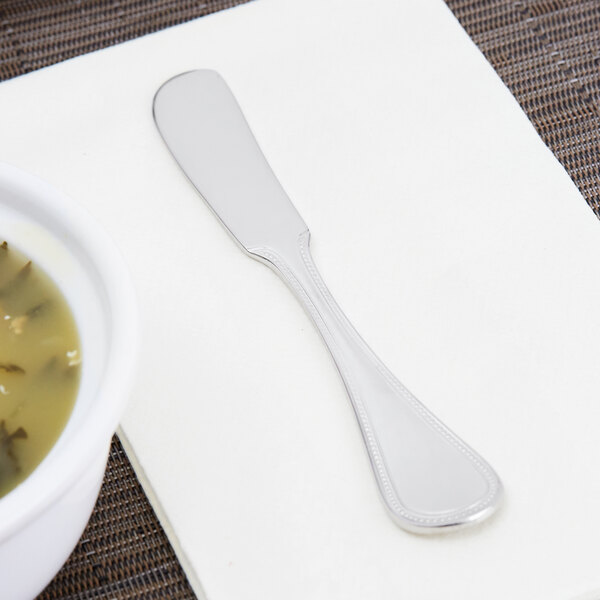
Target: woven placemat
point(123, 554)
point(548, 54)
point(546, 51)
point(38, 33)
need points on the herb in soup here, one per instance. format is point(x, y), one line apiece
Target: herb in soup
point(40, 363)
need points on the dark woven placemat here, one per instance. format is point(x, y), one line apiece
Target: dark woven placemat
point(546, 51)
point(38, 33)
point(548, 54)
point(123, 553)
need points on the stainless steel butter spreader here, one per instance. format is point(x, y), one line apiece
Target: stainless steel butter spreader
point(430, 480)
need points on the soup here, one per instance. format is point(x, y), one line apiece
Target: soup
point(40, 365)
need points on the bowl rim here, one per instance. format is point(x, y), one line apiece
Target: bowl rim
point(60, 469)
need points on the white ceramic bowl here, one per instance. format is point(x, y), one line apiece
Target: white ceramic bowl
point(42, 519)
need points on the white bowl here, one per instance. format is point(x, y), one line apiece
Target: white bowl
point(42, 519)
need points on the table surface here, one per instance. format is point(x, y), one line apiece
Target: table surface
point(547, 55)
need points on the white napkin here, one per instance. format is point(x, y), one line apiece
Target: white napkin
point(450, 234)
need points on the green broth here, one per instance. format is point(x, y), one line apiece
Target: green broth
point(40, 363)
